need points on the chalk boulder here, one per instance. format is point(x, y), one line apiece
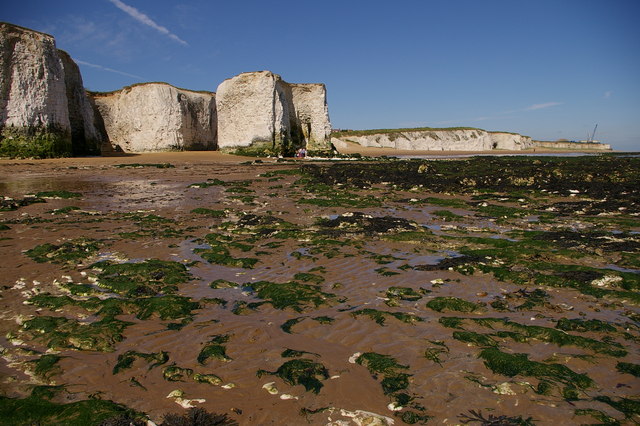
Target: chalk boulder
point(34, 115)
point(158, 117)
point(260, 111)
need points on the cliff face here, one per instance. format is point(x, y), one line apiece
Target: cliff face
point(572, 145)
point(158, 117)
point(86, 139)
point(259, 110)
point(311, 115)
point(440, 140)
point(34, 115)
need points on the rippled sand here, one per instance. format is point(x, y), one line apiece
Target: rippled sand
point(356, 273)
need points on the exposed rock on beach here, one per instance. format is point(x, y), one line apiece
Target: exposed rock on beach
point(261, 110)
point(158, 117)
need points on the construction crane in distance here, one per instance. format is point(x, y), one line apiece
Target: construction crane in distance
point(593, 134)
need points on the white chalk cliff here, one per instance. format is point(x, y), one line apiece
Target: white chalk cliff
point(45, 111)
point(262, 111)
point(158, 117)
point(87, 136)
point(33, 96)
point(437, 140)
point(44, 108)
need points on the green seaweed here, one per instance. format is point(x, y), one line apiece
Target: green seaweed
point(380, 317)
point(293, 295)
point(38, 409)
point(628, 368)
point(47, 365)
point(173, 373)
point(220, 283)
point(411, 418)
point(393, 379)
point(603, 418)
point(211, 379)
point(209, 212)
point(324, 319)
point(62, 333)
point(214, 349)
point(307, 277)
point(219, 253)
point(145, 278)
point(166, 307)
point(287, 325)
point(63, 210)
point(127, 359)
point(522, 333)
point(395, 294)
point(58, 194)
point(292, 353)
point(446, 215)
point(441, 304)
point(512, 365)
point(68, 252)
point(629, 407)
point(475, 339)
point(302, 371)
point(584, 325)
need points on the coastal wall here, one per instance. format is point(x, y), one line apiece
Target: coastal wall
point(34, 115)
point(158, 117)
point(572, 145)
point(437, 140)
point(260, 111)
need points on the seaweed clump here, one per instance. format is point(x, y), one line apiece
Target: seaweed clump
point(301, 371)
point(39, 409)
point(145, 278)
point(214, 349)
point(68, 252)
point(512, 365)
point(293, 295)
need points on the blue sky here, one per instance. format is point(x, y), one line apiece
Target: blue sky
point(547, 69)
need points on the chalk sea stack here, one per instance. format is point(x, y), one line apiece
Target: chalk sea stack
point(158, 117)
point(261, 111)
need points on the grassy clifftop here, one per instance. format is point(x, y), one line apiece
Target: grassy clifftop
point(345, 133)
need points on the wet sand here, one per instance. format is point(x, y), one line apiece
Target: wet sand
point(354, 273)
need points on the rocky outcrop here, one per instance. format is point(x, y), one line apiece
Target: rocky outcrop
point(158, 117)
point(86, 137)
point(572, 146)
point(436, 139)
point(260, 111)
point(34, 115)
point(310, 115)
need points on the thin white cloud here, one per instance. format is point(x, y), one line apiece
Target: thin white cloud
point(541, 106)
point(607, 94)
point(144, 19)
point(100, 67)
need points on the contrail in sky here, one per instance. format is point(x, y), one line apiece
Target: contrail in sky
point(545, 105)
point(108, 69)
point(144, 19)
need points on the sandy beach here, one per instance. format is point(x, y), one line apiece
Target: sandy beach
point(304, 292)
